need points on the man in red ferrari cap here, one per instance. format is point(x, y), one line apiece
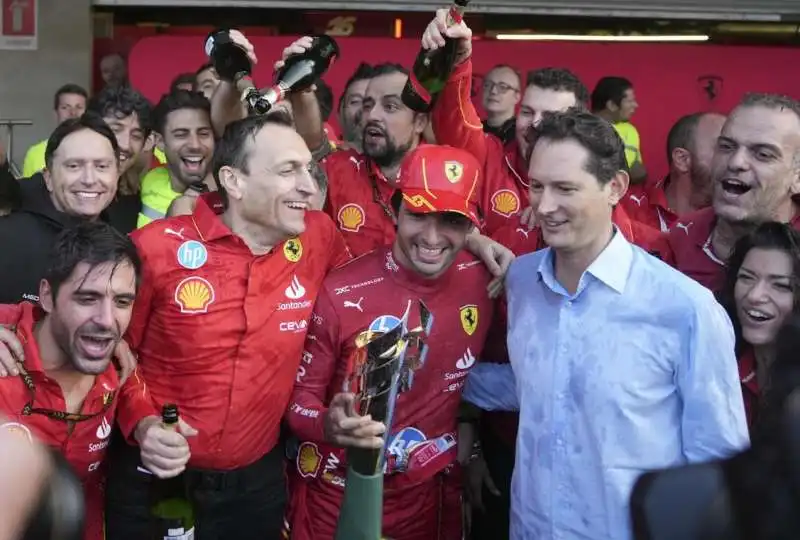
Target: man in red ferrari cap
point(436, 211)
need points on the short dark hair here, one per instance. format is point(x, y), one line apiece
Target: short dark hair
point(88, 120)
point(559, 80)
point(771, 101)
point(681, 135)
point(609, 89)
point(233, 149)
point(388, 68)
point(91, 242)
point(600, 139)
point(363, 72)
point(69, 89)
point(325, 99)
point(181, 79)
point(769, 235)
point(175, 101)
point(121, 102)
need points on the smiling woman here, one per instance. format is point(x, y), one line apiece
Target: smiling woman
point(762, 290)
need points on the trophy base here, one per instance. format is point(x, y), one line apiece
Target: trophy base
point(360, 516)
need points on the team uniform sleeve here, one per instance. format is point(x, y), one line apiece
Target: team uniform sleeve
point(713, 423)
point(144, 299)
point(317, 368)
point(134, 404)
point(455, 120)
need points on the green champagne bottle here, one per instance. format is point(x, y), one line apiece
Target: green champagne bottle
point(172, 513)
point(432, 68)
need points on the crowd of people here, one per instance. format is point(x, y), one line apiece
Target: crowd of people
point(592, 319)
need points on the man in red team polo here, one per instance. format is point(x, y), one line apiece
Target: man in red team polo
point(426, 261)
point(688, 186)
point(361, 184)
point(68, 393)
point(756, 175)
point(219, 328)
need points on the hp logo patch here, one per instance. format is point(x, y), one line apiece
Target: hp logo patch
point(404, 440)
point(192, 255)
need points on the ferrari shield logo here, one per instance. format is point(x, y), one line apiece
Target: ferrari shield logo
point(293, 250)
point(469, 318)
point(453, 171)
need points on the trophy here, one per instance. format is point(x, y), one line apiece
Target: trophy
point(387, 355)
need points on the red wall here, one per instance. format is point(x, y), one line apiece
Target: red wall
point(665, 76)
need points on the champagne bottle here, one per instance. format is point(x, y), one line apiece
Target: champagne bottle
point(172, 512)
point(432, 67)
point(303, 70)
point(233, 65)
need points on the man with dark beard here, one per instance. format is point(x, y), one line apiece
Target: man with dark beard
point(688, 186)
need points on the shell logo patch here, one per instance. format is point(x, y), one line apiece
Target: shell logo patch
point(309, 460)
point(351, 217)
point(453, 171)
point(469, 318)
point(194, 295)
point(293, 250)
point(18, 430)
point(505, 202)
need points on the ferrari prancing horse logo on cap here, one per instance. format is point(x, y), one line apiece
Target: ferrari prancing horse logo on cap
point(453, 171)
point(469, 318)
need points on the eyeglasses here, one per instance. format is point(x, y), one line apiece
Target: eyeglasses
point(502, 88)
point(63, 416)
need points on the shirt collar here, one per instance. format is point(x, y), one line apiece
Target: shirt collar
point(206, 220)
point(612, 267)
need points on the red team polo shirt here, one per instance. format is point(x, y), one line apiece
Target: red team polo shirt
point(220, 331)
point(83, 443)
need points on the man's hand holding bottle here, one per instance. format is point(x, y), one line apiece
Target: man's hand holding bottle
point(434, 36)
point(164, 450)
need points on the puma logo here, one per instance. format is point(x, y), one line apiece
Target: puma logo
point(637, 200)
point(356, 305)
point(357, 162)
point(178, 233)
point(523, 232)
point(685, 226)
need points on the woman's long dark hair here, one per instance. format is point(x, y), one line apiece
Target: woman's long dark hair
point(770, 235)
point(762, 492)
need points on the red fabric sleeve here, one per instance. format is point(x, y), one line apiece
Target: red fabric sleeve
point(455, 120)
point(134, 404)
point(10, 313)
point(317, 368)
point(144, 299)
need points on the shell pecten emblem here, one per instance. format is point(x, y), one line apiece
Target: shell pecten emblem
point(194, 294)
point(351, 217)
point(308, 460)
point(505, 202)
point(453, 171)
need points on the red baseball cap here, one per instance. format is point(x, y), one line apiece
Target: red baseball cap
point(436, 178)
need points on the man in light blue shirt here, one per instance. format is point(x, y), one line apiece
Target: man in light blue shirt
point(619, 363)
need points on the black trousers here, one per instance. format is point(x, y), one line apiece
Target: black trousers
point(246, 503)
point(493, 524)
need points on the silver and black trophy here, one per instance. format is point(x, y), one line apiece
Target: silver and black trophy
point(382, 366)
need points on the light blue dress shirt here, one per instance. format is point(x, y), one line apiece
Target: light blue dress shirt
point(635, 371)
